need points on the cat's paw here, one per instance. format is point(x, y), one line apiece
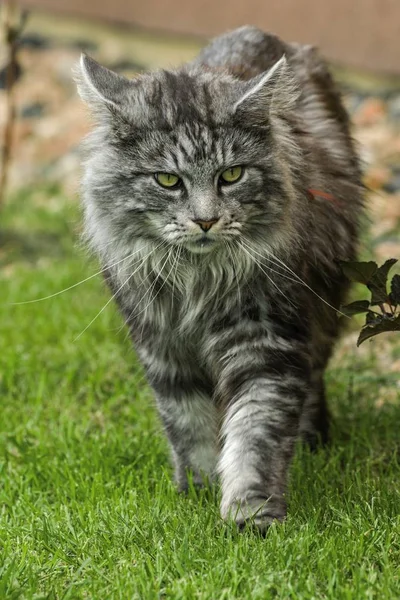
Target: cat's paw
point(254, 511)
point(187, 487)
point(189, 482)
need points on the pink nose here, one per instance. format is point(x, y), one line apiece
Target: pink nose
point(205, 225)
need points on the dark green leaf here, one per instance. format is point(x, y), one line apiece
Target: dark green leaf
point(395, 290)
point(355, 308)
point(386, 324)
point(379, 295)
point(359, 271)
point(378, 282)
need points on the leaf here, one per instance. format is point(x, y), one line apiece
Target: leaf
point(387, 324)
point(355, 308)
point(361, 272)
point(395, 290)
point(378, 282)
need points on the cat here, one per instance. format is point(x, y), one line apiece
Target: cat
point(218, 198)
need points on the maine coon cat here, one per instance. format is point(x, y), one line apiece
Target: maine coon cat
point(218, 198)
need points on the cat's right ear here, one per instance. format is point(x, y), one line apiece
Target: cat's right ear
point(103, 90)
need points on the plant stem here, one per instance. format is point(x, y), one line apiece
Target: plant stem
point(11, 35)
point(382, 307)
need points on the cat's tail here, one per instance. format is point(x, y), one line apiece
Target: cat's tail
point(314, 77)
point(320, 102)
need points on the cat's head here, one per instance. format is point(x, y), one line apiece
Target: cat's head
point(192, 158)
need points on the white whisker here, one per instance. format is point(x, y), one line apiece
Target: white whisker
point(117, 292)
point(270, 268)
point(132, 314)
point(230, 250)
point(176, 265)
point(279, 263)
point(79, 282)
point(268, 277)
point(155, 281)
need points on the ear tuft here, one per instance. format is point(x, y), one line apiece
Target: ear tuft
point(272, 92)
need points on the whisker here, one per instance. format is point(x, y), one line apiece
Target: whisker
point(277, 262)
point(149, 291)
point(230, 250)
point(79, 282)
point(155, 281)
point(115, 294)
point(132, 313)
point(268, 277)
point(273, 270)
point(176, 265)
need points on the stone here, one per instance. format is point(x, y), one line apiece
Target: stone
point(34, 110)
point(371, 111)
point(393, 185)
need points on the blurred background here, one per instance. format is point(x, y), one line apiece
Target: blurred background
point(42, 120)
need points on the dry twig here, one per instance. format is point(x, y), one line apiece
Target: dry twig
point(11, 24)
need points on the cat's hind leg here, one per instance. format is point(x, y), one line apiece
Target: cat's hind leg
point(314, 422)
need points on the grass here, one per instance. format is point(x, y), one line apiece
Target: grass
point(87, 504)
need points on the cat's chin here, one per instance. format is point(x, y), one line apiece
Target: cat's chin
point(200, 250)
point(202, 246)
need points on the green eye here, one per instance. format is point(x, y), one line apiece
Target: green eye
point(231, 175)
point(167, 180)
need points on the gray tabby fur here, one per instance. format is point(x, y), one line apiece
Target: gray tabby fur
point(233, 342)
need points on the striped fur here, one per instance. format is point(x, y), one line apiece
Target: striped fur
point(235, 326)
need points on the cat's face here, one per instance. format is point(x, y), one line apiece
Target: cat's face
point(185, 159)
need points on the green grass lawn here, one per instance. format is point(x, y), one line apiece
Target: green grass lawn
point(88, 508)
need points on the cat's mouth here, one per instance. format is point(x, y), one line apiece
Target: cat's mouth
point(201, 245)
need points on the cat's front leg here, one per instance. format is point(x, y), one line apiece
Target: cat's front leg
point(190, 421)
point(183, 395)
point(263, 390)
point(191, 425)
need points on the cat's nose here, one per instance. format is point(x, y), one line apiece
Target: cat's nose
point(205, 225)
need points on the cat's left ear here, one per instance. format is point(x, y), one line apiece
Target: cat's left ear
point(273, 92)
